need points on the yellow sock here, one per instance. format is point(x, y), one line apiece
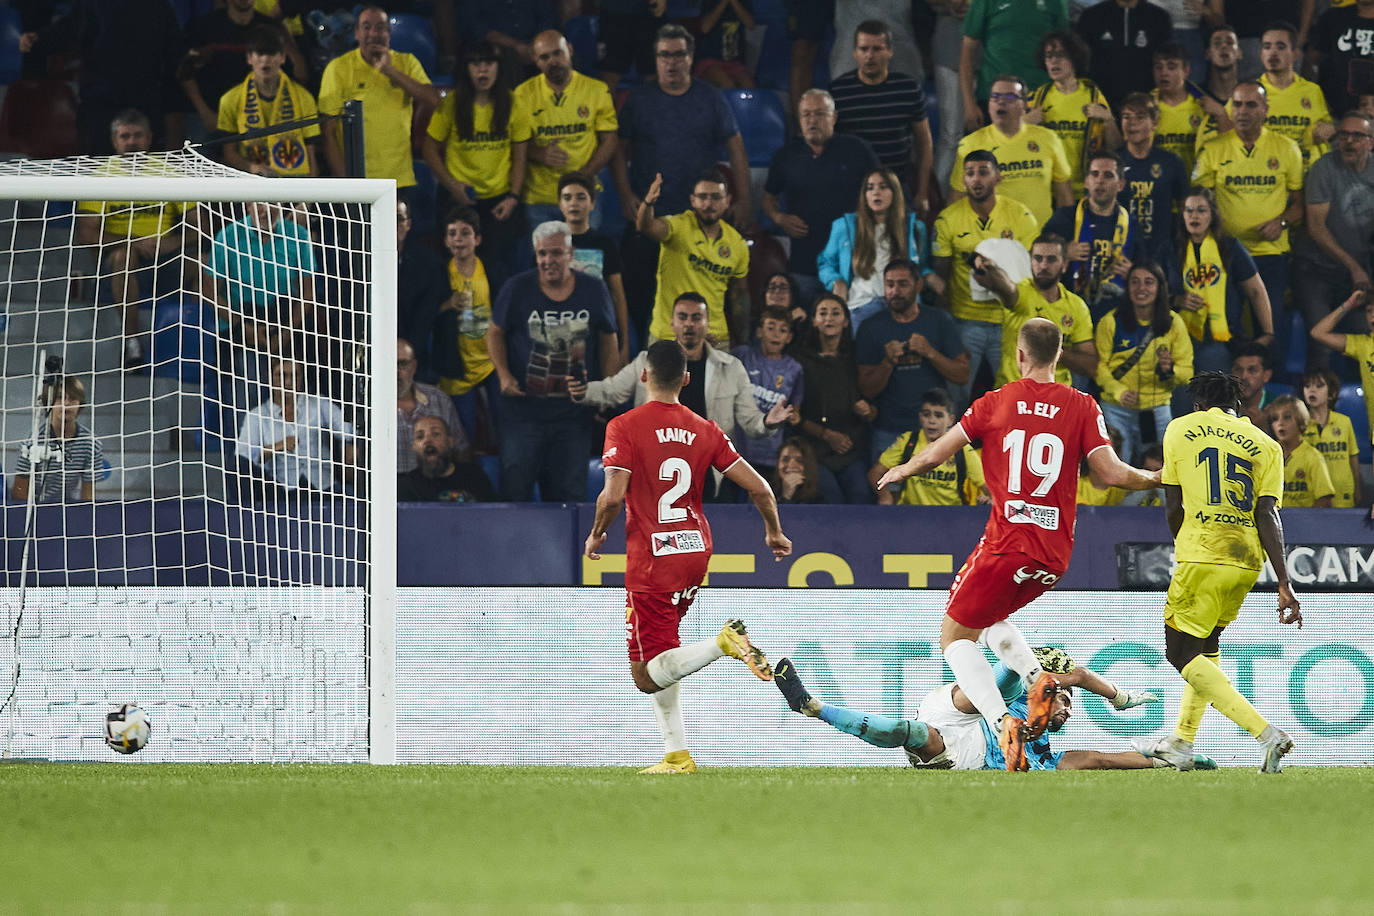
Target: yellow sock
point(1212, 686)
point(1192, 707)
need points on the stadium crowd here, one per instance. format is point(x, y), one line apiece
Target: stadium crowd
point(1180, 185)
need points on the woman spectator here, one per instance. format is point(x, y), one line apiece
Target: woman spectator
point(781, 290)
point(1216, 268)
point(795, 478)
point(833, 416)
point(1145, 353)
point(862, 243)
point(1072, 106)
point(467, 147)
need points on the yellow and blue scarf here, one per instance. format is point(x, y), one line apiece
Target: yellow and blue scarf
point(1204, 274)
point(1122, 235)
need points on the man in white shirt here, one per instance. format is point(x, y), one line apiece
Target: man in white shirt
point(289, 439)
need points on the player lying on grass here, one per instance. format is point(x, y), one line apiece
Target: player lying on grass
point(949, 734)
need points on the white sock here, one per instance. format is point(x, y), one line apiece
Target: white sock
point(668, 714)
point(1007, 643)
point(975, 678)
point(672, 666)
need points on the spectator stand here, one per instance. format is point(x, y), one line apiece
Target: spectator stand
point(1351, 403)
point(412, 34)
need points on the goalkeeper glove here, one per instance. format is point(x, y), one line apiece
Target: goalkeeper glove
point(1125, 699)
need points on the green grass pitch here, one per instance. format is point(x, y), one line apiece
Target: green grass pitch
point(426, 839)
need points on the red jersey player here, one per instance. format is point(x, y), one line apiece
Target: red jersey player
point(657, 458)
point(1034, 432)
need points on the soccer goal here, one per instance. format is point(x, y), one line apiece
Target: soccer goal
point(197, 378)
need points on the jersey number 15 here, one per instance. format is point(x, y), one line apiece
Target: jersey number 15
point(1238, 471)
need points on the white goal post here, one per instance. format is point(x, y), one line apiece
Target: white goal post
point(239, 587)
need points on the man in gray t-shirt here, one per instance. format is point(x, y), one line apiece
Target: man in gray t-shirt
point(1334, 254)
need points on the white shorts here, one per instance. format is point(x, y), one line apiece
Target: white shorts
point(962, 732)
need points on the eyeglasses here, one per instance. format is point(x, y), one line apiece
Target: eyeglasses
point(1352, 135)
point(1005, 96)
point(778, 288)
point(673, 55)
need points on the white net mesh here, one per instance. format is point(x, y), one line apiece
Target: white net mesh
point(187, 434)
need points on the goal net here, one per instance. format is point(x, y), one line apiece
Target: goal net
point(199, 460)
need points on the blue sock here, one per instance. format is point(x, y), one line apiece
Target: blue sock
point(879, 731)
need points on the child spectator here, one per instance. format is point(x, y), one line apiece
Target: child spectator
point(594, 252)
point(66, 457)
point(774, 377)
point(957, 482)
point(833, 416)
point(1091, 490)
point(862, 243)
point(460, 330)
point(268, 97)
point(722, 51)
point(1152, 459)
point(1071, 105)
point(1333, 435)
point(1306, 482)
point(467, 147)
point(1359, 347)
point(795, 479)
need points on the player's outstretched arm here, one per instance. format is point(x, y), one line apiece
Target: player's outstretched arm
point(1093, 682)
point(1104, 760)
point(743, 475)
point(1114, 472)
point(1270, 529)
point(608, 505)
point(932, 456)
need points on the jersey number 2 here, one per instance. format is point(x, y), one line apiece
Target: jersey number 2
point(680, 473)
point(1043, 457)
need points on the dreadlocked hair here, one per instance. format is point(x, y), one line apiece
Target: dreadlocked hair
point(1215, 389)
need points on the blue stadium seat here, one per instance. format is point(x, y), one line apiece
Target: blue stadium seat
point(1296, 361)
point(413, 34)
point(581, 32)
point(184, 339)
point(1351, 403)
point(762, 122)
point(612, 220)
point(424, 199)
point(11, 61)
point(596, 477)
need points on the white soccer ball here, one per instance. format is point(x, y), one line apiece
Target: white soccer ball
point(127, 729)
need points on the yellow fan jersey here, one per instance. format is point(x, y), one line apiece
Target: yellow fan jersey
point(387, 109)
point(689, 261)
point(244, 108)
point(1064, 115)
point(959, 229)
point(1224, 464)
point(1336, 443)
point(1177, 130)
point(1031, 162)
point(474, 315)
point(1068, 311)
point(482, 162)
point(1251, 185)
point(1305, 477)
point(1089, 495)
point(940, 485)
point(571, 118)
point(1294, 112)
point(135, 219)
point(1360, 347)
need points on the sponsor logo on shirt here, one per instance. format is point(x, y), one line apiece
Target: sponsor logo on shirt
point(1019, 512)
point(1024, 574)
point(668, 543)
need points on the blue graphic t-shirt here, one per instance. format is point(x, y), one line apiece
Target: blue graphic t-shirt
point(773, 381)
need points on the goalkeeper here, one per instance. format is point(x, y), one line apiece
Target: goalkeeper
point(948, 732)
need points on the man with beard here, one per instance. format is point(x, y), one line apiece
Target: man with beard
point(438, 476)
point(903, 352)
point(949, 734)
point(981, 214)
point(1101, 234)
point(1041, 295)
point(699, 252)
point(1297, 108)
point(388, 83)
point(1250, 365)
point(561, 121)
point(1334, 255)
point(416, 400)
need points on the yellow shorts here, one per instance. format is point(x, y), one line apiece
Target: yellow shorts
point(1204, 596)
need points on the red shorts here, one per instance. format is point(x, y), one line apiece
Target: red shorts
point(991, 586)
point(651, 620)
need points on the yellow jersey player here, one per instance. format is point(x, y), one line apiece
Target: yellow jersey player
point(1223, 481)
point(1306, 482)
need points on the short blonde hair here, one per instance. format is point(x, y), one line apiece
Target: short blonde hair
point(1287, 401)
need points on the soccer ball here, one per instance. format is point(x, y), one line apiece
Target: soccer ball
point(127, 728)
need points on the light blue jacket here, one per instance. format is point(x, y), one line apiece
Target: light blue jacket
point(836, 262)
